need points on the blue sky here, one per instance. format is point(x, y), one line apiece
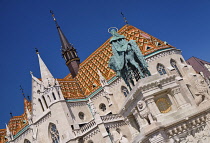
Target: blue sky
point(26, 24)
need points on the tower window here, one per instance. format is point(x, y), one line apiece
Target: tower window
point(54, 134)
point(40, 102)
point(161, 69)
point(53, 96)
point(45, 101)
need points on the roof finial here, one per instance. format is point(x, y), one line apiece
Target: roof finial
point(22, 91)
point(126, 21)
point(56, 23)
point(11, 114)
point(37, 51)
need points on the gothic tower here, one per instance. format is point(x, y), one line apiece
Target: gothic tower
point(69, 53)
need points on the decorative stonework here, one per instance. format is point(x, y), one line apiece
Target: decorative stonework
point(163, 105)
point(162, 54)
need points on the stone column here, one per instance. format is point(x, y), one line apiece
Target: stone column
point(152, 106)
point(178, 97)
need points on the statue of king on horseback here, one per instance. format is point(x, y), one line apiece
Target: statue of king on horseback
point(127, 58)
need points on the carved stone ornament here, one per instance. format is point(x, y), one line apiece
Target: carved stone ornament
point(202, 91)
point(145, 112)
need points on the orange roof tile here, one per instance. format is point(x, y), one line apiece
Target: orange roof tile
point(16, 123)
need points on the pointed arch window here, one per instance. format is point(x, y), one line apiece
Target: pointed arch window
point(53, 94)
point(54, 134)
point(40, 102)
point(125, 91)
point(161, 69)
point(44, 101)
point(174, 65)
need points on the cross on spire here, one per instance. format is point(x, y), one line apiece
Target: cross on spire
point(53, 16)
point(126, 21)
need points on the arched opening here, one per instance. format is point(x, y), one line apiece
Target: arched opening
point(161, 69)
point(40, 102)
point(54, 134)
point(174, 65)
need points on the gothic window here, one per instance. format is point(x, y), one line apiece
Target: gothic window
point(26, 141)
point(173, 64)
point(40, 102)
point(53, 96)
point(45, 101)
point(161, 69)
point(54, 134)
point(102, 106)
point(81, 115)
point(125, 91)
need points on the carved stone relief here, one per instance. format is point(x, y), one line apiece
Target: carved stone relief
point(202, 91)
point(145, 113)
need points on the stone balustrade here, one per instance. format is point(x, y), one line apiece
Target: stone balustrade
point(86, 128)
point(111, 118)
point(92, 124)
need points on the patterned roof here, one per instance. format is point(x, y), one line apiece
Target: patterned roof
point(87, 79)
point(16, 123)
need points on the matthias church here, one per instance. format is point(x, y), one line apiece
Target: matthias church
point(134, 88)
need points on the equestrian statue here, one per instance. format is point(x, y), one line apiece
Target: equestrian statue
point(127, 58)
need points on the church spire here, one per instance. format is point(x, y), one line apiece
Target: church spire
point(69, 53)
point(47, 78)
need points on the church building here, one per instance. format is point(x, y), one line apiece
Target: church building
point(134, 88)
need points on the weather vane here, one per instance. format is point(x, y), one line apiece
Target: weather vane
point(22, 90)
point(126, 21)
